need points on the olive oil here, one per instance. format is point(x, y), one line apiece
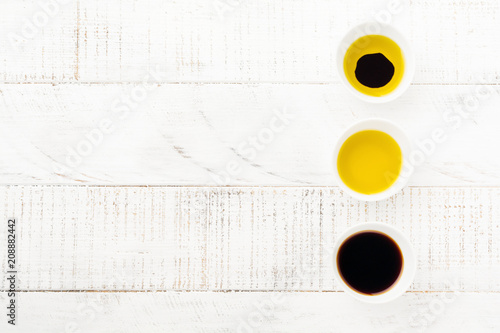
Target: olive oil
point(369, 161)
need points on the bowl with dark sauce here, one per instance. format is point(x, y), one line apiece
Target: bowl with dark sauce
point(374, 262)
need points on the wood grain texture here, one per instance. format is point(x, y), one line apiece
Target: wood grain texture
point(244, 238)
point(190, 256)
point(237, 41)
point(183, 134)
point(253, 312)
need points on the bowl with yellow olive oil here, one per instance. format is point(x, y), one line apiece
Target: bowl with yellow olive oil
point(375, 62)
point(370, 159)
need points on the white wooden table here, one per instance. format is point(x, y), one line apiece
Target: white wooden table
point(128, 219)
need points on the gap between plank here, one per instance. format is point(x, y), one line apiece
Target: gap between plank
point(248, 83)
point(233, 291)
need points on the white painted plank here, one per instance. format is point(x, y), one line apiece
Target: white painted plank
point(252, 312)
point(36, 46)
point(246, 238)
point(256, 41)
point(191, 134)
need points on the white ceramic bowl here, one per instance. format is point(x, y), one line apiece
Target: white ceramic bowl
point(397, 134)
point(376, 28)
point(409, 262)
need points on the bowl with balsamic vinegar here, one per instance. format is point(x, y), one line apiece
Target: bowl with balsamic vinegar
point(374, 262)
point(375, 62)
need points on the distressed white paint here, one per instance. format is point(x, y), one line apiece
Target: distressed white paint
point(253, 312)
point(243, 238)
point(257, 41)
point(88, 254)
point(186, 134)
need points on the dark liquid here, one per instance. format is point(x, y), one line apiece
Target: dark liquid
point(374, 70)
point(370, 262)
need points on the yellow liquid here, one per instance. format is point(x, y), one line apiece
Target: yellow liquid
point(369, 161)
point(370, 44)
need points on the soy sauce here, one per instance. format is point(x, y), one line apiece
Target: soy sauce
point(370, 262)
